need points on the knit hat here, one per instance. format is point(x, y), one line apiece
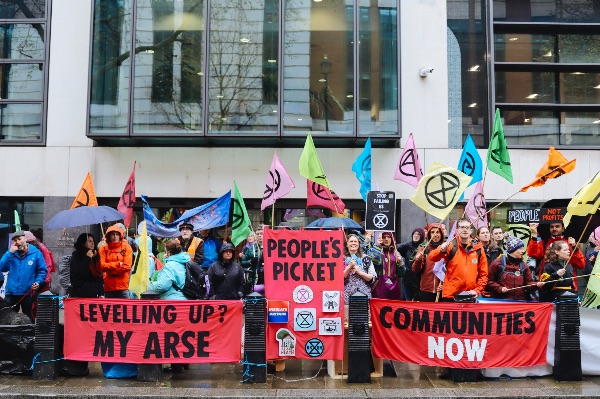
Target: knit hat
point(513, 243)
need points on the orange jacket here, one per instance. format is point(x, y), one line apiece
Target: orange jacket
point(116, 259)
point(465, 271)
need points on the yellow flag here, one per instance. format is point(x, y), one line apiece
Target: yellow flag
point(586, 201)
point(440, 189)
point(139, 280)
point(86, 195)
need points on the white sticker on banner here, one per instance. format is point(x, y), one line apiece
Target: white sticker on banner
point(330, 326)
point(303, 294)
point(287, 342)
point(331, 301)
point(305, 319)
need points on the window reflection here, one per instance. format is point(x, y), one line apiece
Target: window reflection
point(547, 10)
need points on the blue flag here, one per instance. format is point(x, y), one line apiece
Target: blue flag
point(203, 217)
point(362, 168)
point(470, 162)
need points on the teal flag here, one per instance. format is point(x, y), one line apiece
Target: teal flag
point(470, 162)
point(362, 168)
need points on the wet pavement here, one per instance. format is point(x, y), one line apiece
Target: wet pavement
point(301, 379)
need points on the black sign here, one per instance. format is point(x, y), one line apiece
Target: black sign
point(381, 211)
point(552, 215)
point(522, 216)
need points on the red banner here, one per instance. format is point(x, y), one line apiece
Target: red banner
point(461, 335)
point(153, 331)
point(306, 268)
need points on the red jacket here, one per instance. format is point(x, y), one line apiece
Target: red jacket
point(466, 271)
point(424, 267)
point(537, 250)
point(116, 259)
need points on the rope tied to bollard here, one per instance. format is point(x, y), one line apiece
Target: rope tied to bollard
point(246, 376)
point(34, 361)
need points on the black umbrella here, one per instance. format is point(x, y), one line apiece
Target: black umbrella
point(577, 227)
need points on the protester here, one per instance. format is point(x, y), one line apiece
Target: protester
point(557, 276)
point(537, 248)
point(194, 246)
point(359, 272)
point(170, 280)
point(498, 236)
point(430, 285)
point(466, 264)
point(212, 248)
point(389, 266)
point(509, 271)
point(591, 252)
point(407, 249)
point(37, 240)
point(85, 269)
point(253, 264)
point(492, 251)
point(226, 276)
point(250, 241)
point(116, 258)
point(26, 273)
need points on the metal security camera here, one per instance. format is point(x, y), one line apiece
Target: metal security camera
point(424, 72)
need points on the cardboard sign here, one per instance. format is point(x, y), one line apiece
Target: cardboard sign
point(381, 211)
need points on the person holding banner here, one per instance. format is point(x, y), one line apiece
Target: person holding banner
point(422, 266)
point(466, 263)
point(116, 258)
point(226, 276)
point(359, 272)
point(389, 266)
point(557, 276)
point(509, 271)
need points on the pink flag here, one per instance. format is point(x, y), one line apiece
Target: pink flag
point(318, 195)
point(279, 183)
point(128, 198)
point(476, 208)
point(409, 168)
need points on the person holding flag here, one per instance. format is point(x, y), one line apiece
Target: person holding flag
point(422, 267)
point(558, 274)
point(389, 266)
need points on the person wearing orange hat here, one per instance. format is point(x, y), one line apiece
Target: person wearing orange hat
point(116, 260)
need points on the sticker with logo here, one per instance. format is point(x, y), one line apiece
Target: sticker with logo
point(286, 341)
point(305, 319)
point(330, 326)
point(303, 294)
point(331, 301)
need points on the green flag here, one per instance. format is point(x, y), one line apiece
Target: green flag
point(591, 298)
point(17, 221)
point(498, 160)
point(310, 166)
point(240, 225)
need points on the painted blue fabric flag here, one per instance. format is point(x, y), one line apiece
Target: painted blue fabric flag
point(470, 162)
point(362, 168)
point(203, 217)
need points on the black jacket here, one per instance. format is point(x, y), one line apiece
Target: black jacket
point(226, 280)
point(83, 283)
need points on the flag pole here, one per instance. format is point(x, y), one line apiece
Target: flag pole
point(337, 210)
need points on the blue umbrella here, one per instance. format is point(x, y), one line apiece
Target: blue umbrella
point(83, 216)
point(334, 222)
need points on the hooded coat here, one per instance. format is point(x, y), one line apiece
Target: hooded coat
point(116, 260)
point(226, 278)
point(173, 272)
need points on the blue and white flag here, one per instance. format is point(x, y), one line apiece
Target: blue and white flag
point(470, 163)
point(362, 168)
point(203, 217)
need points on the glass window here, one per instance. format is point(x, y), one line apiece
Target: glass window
point(526, 87)
point(168, 67)
point(580, 128)
point(30, 9)
point(109, 97)
point(520, 47)
point(236, 65)
point(580, 88)
point(547, 11)
point(579, 48)
point(318, 59)
point(23, 72)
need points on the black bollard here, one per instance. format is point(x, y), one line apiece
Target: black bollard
point(149, 372)
point(359, 348)
point(48, 339)
point(255, 341)
point(567, 349)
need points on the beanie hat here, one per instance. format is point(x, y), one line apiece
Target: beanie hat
point(513, 243)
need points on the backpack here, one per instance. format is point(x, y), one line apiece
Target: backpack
point(195, 282)
point(453, 252)
point(503, 266)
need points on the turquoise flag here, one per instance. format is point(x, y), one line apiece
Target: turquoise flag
point(362, 168)
point(470, 162)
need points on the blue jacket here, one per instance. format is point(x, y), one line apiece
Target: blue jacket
point(23, 270)
point(172, 272)
point(212, 246)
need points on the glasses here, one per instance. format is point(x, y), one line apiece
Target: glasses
point(463, 227)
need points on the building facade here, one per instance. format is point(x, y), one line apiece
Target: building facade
point(203, 92)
